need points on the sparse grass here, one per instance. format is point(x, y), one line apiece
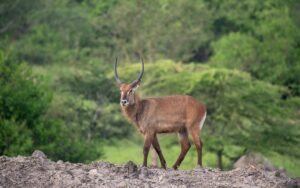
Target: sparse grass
point(120, 152)
point(291, 164)
point(124, 150)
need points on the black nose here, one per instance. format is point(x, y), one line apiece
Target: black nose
point(123, 101)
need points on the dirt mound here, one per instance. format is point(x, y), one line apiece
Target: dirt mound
point(38, 171)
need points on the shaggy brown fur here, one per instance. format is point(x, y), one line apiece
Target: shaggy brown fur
point(181, 113)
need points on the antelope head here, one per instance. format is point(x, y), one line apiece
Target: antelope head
point(128, 90)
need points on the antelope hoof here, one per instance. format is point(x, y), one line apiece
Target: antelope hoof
point(175, 167)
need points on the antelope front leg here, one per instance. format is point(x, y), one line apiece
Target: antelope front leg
point(158, 151)
point(148, 138)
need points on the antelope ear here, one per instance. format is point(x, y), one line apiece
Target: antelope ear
point(137, 85)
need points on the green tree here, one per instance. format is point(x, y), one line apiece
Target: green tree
point(154, 29)
point(259, 37)
point(26, 123)
point(236, 51)
point(15, 138)
point(14, 16)
point(22, 102)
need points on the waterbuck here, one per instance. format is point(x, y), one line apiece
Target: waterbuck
point(178, 113)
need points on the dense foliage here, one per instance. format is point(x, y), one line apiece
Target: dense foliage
point(25, 122)
point(242, 58)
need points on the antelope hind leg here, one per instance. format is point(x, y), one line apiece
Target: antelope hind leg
point(185, 146)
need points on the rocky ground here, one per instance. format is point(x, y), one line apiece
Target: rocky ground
point(38, 171)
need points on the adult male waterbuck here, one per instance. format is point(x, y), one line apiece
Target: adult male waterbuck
point(179, 113)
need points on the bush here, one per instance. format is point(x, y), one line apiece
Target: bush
point(25, 121)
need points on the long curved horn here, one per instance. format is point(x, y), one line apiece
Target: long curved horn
point(140, 75)
point(116, 73)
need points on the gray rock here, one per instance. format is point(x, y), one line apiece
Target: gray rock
point(39, 154)
point(131, 167)
point(144, 173)
point(59, 162)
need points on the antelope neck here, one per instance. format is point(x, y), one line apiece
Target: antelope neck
point(131, 111)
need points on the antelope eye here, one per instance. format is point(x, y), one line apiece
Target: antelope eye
point(130, 91)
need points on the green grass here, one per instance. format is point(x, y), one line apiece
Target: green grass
point(122, 151)
point(291, 164)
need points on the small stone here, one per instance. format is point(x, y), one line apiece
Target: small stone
point(122, 184)
point(39, 154)
point(103, 164)
point(59, 162)
point(93, 172)
point(277, 173)
point(3, 159)
point(131, 167)
point(19, 158)
point(144, 172)
point(160, 178)
point(182, 186)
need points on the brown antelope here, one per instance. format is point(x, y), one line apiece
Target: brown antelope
point(179, 113)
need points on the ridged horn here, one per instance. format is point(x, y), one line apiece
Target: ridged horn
point(116, 73)
point(140, 75)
